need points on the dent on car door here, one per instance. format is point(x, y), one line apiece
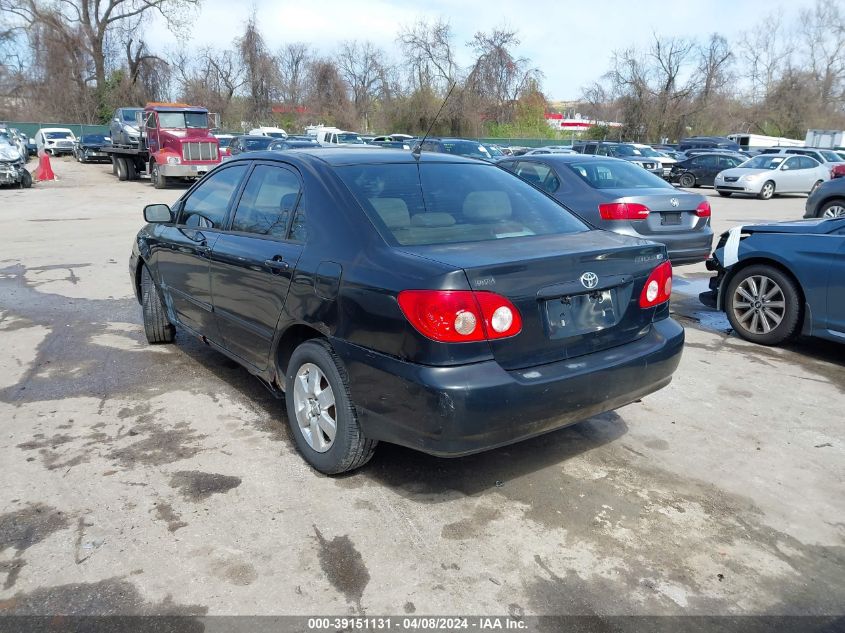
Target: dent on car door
point(182, 258)
point(252, 264)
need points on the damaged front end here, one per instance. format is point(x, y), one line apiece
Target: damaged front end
point(12, 169)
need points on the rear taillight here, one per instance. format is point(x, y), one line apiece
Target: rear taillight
point(658, 286)
point(703, 210)
point(460, 316)
point(623, 211)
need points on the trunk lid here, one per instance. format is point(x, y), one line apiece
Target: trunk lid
point(664, 216)
point(542, 276)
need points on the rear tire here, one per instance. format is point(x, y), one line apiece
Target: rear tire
point(726, 194)
point(114, 166)
point(317, 395)
point(763, 305)
point(122, 169)
point(767, 190)
point(131, 171)
point(157, 326)
point(687, 181)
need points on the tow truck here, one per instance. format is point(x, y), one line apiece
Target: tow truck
point(176, 143)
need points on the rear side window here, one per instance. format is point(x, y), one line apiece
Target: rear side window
point(268, 199)
point(207, 205)
point(447, 203)
point(538, 174)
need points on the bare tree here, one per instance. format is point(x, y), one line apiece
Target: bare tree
point(498, 76)
point(82, 27)
point(292, 61)
point(429, 56)
point(362, 67)
point(260, 72)
point(327, 97)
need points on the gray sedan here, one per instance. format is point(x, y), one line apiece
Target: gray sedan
point(620, 196)
point(767, 174)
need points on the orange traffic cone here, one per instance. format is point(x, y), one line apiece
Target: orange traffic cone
point(44, 171)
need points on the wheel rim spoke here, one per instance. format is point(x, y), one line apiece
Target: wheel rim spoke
point(774, 316)
point(327, 425)
point(744, 316)
point(745, 295)
point(755, 321)
point(325, 398)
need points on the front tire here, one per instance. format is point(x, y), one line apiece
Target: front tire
point(687, 181)
point(832, 209)
point(321, 414)
point(26, 179)
point(159, 181)
point(767, 190)
point(157, 326)
point(763, 305)
point(726, 194)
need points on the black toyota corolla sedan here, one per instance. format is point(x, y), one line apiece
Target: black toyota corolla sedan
point(436, 302)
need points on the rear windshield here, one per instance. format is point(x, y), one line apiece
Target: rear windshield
point(466, 148)
point(255, 144)
point(93, 138)
point(616, 175)
point(445, 203)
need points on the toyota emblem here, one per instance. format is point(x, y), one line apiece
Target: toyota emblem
point(674, 202)
point(590, 280)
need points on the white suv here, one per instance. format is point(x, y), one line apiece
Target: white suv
point(55, 140)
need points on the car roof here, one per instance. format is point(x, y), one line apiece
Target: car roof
point(561, 158)
point(258, 137)
point(56, 129)
point(355, 155)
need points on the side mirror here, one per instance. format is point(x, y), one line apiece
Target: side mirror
point(158, 213)
point(784, 167)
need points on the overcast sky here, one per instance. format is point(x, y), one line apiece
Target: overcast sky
point(569, 42)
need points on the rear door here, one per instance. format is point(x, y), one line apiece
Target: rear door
point(253, 262)
point(791, 176)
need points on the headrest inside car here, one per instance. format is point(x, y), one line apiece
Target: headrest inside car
point(433, 220)
point(487, 206)
point(393, 212)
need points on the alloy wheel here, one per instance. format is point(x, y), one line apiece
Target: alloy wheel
point(314, 404)
point(767, 191)
point(834, 211)
point(759, 304)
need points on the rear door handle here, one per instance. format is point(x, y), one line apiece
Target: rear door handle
point(277, 264)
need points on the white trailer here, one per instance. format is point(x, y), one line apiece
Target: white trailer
point(758, 141)
point(827, 139)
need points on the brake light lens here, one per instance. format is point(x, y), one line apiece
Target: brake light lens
point(623, 211)
point(460, 316)
point(703, 210)
point(658, 286)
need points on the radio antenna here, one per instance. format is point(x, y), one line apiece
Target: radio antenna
point(418, 147)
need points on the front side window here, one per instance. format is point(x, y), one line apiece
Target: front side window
point(267, 202)
point(767, 161)
point(444, 203)
point(207, 205)
point(617, 175)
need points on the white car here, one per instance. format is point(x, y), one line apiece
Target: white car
point(650, 152)
point(767, 174)
point(55, 140)
point(266, 130)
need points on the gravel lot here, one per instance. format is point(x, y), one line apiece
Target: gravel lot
point(143, 479)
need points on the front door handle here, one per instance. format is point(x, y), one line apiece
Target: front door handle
point(277, 264)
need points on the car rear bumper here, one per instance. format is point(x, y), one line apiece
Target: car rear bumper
point(690, 247)
point(452, 411)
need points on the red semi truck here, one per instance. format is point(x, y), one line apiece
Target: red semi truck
point(176, 143)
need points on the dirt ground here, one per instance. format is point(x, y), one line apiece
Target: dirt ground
point(140, 479)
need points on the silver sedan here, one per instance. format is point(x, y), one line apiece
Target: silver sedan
point(767, 174)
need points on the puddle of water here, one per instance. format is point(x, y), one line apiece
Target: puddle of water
point(690, 287)
point(713, 320)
